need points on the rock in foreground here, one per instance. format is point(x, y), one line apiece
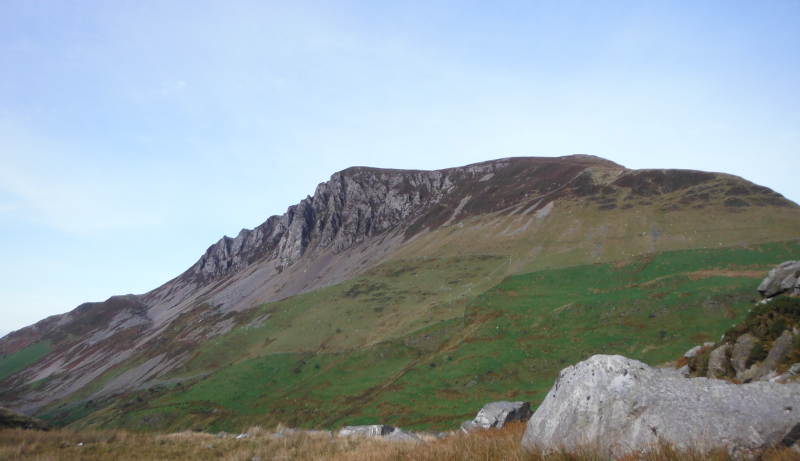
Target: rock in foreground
point(619, 405)
point(498, 414)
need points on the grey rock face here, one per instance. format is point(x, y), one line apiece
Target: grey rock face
point(785, 277)
point(354, 205)
point(374, 430)
point(741, 352)
point(621, 405)
point(780, 348)
point(358, 203)
point(498, 414)
point(718, 364)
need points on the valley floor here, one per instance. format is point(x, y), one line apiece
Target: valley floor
point(504, 444)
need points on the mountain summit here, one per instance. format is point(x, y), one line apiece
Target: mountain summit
point(375, 255)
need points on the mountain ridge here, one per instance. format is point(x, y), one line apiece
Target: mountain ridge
point(537, 212)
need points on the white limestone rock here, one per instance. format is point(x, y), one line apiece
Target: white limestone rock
point(619, 406)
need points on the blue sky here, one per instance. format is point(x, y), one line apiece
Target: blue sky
point(133, 136)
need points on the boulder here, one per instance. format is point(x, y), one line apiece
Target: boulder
point(498, 414)
point(784, 277)
point(622, 406)
point(469, 426)
point(741, 352)
point(399, 435)
point(696, 350)
point(374, 430)
point(780, 348)
point(718, 362)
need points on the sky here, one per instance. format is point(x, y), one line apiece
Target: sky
point(134, 135)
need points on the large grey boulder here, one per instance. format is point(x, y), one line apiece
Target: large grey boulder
point(618, 405)
point(498, 414)
point(784, 277)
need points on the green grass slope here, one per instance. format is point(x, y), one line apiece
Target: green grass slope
point(314, 360)
point(12, 363)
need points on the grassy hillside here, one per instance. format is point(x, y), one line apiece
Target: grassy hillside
point(12, 363)
point(315, 360)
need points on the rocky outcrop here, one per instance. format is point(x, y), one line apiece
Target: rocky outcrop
point(358, 203)
point(782, 279)
point(354, 205)
point(497, 415)
point(618, 405)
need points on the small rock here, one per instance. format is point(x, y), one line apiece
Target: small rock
point(718, 364)
point(243, 436)
point(209, 446)
point(741, 352)
point(223, 435)
point(469, 426)
point(684, 371)
point(399, 435)
point(374, 430)
point(780, 348)
point(498, 414)
point(696, 350)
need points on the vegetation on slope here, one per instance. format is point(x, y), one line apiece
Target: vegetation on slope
point(12, 363)
point(508, 343)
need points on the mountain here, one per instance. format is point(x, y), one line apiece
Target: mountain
point(324, 314)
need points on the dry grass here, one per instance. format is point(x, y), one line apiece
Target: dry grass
point(493, 445)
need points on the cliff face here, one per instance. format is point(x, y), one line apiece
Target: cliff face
point(358, 203)
point(354, 205)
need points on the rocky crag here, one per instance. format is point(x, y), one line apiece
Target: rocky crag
point(765, 346)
